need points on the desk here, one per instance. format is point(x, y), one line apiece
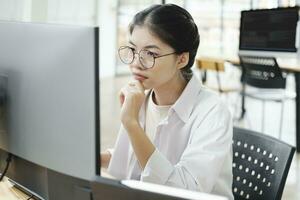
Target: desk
point(9, 192)
point(291, 65)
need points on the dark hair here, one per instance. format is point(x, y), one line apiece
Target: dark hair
point(174, 26)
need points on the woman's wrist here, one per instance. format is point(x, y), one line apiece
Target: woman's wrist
point(131, 126)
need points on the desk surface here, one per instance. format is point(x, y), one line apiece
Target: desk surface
point(9, 192)
point(288, 64)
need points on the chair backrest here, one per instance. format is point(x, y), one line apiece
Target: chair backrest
point(260, 165)
point(262, 72)
point(216, 65)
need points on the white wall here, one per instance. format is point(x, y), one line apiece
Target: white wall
point(15, 10)
point(107, 18)
point(82, 12)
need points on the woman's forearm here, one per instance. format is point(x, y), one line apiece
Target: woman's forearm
point(141, 144)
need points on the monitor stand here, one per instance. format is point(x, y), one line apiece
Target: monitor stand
point(62, 187)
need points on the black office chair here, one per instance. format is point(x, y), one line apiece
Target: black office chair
point(260, 165)
point(267, 83)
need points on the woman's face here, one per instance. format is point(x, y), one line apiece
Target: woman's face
point(164, 69)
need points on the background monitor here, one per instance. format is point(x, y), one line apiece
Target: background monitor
point(51, 116)
point(269, 30)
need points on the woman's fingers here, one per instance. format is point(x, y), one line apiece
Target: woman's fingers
point(140, 86)
point(137, 85)
point(132, 88)
point(131, 99)
point(122, 94)
point(122, 98)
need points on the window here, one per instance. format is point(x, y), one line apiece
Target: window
point(207, 15)
point(231, 24)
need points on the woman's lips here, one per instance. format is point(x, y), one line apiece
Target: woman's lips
point(139, 77)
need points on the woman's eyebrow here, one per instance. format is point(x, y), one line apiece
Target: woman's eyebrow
point(151, 47)
point(146, 47)
point(131, 43)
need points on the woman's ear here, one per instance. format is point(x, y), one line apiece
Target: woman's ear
point(183, 60)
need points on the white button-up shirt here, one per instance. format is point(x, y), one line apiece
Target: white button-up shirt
point(193, 146)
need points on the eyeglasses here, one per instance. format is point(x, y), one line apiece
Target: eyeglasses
point(146, 58)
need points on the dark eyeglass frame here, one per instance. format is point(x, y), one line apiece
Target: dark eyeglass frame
point(133, 57)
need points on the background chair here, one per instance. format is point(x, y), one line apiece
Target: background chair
point(265, 82)
point(217, 75)
point(260, 165)
point(217, 66)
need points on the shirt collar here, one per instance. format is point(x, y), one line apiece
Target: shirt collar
point(187, 100)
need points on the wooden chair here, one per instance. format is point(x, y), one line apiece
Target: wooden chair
point(217, 66)
point(223, 81)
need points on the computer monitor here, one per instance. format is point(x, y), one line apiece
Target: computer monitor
point(50, 117)
point(269, 32)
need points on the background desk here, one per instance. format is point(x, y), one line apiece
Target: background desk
point(290, 65)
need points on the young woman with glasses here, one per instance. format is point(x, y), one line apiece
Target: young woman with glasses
point(174, 131)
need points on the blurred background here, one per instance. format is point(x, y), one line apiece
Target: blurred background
point(218, 23)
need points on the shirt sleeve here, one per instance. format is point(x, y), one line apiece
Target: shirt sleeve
point(202, 160)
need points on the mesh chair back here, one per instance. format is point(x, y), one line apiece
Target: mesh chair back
point(262, 72)
point(260, 165)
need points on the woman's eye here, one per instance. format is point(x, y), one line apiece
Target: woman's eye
point(149, 53)
point(132, 49)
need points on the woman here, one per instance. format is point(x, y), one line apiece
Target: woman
point(177, 133)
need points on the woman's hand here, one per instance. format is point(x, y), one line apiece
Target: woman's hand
point(132, 97)
point(105, 159)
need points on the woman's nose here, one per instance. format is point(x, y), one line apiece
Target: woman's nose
point(136, 62)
